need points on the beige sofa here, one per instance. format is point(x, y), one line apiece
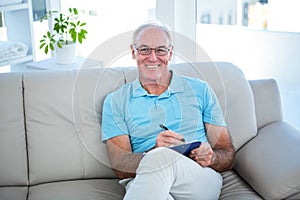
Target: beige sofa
point(50, 134)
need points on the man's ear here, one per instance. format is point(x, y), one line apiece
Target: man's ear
point(171, 53)
point(132, 52)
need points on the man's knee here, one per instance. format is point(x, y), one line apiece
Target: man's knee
point(158, 159)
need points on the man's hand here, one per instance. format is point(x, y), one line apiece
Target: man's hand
point(203, 154)
point(218, 153)
point(168, 138)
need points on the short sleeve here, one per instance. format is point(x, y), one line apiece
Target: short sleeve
point(212, 111)
point(113, 123)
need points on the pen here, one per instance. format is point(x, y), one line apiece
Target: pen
point(163, 127)
point(166, 128)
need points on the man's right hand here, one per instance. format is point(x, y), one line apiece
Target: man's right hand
point(168, 138)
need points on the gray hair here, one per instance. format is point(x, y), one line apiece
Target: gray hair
point(153, 24)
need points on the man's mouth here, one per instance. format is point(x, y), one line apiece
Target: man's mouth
point(152, 66)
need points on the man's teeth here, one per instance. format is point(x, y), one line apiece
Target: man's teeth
point(152, 66)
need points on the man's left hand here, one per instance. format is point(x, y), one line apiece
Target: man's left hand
point(203, 154)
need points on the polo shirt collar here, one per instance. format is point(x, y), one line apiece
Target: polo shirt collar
point(176, 86)
point(137, 89)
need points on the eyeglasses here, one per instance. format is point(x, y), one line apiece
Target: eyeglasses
point(159, 51)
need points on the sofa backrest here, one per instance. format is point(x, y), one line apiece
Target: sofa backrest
point(63, 109)
point(63, 113)
point(13, 154)
point(233, 91)
point(267, 101)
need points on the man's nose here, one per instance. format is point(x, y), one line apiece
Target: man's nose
point(152, 55)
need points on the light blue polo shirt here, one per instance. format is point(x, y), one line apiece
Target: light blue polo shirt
point(183, 107)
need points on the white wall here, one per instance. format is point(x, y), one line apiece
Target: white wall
point(260, 54)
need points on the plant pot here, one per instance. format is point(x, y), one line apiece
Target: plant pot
point(65, 55)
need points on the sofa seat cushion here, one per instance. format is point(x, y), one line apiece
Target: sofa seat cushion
point(235, 188)
point(273, 173)
point(108, 189)
point(13, 193)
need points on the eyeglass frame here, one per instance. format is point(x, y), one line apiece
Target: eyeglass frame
point(168, 49)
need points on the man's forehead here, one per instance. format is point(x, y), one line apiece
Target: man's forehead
point(152, 36)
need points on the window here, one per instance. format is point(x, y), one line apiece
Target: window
point(107, 19)
point(273, 15)
point(3, 35)
point(38, 9)
point(262, 39)
point(217, 12)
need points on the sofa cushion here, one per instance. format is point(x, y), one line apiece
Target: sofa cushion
point(233, 91)
point(234, 187)
point(267, 101)
point(13, 155)
point(13, 193)
point(63, 123)
point(108, 189)
point(272, 173)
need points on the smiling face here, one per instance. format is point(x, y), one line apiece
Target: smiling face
point(152, 67)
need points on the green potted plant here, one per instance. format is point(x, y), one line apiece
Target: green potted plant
point(67, 31)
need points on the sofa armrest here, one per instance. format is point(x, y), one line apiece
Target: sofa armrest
point(267, 101)
point(270, 162)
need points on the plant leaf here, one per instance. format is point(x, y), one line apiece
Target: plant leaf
point(59, 45)
point(42, 45)
point(46, 50)
point(73, 24)
point(75, 11)
point(52, 47)
point(48, 34)
point(67, 27)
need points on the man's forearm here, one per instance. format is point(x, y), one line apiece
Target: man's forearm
point(123, 161)
point(222, 160)
point(125, 165)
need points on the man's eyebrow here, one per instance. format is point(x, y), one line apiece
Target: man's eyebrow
point(161, 46)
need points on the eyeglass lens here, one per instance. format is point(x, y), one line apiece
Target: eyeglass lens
point(160, 51)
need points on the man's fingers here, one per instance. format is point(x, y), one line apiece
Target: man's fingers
point(172, 134)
